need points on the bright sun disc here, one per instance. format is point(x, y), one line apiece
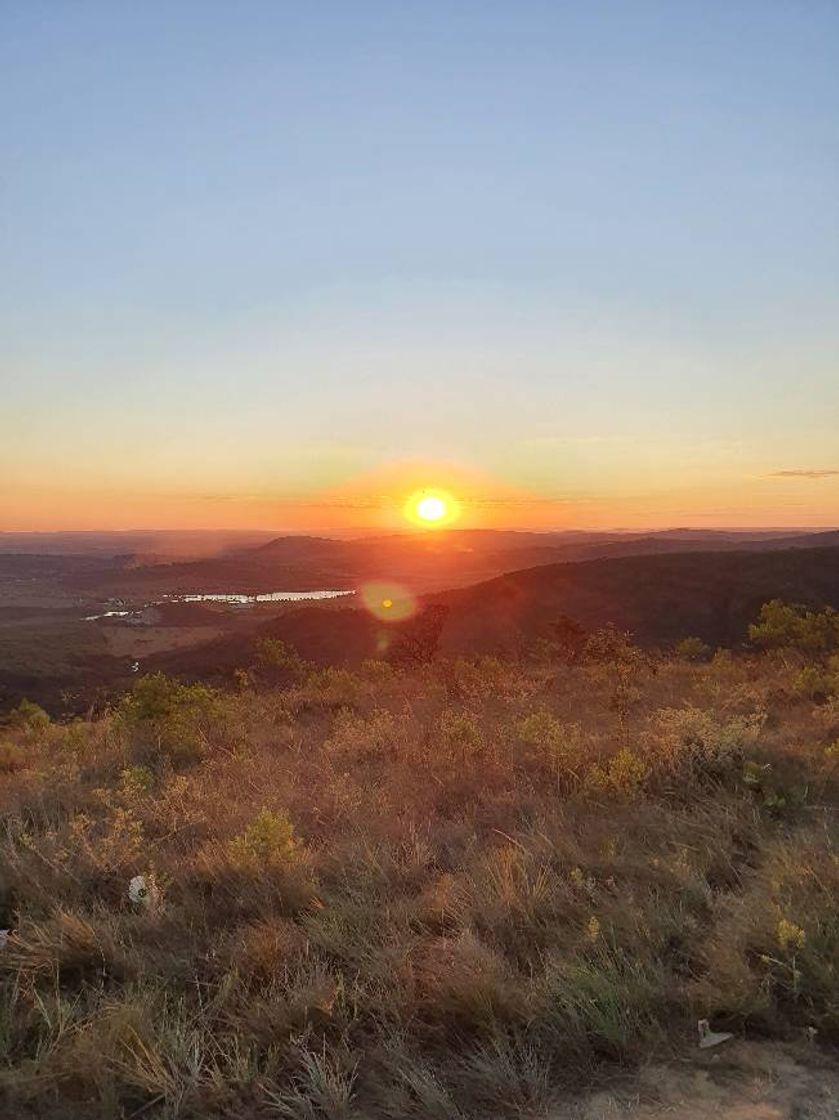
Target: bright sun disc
point(431, 509)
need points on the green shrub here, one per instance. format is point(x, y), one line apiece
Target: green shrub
point(331, 688)
point(771, 960)
point(11, 758)
point(135, 781)
point(791, 626)
point(275, 655)
point(173, 720)
point(695, 741)
point(815, 683)
point(268, 841)
point(551, 744)
point(475, 679)
point(693, 649)
point(768, 791)
point(624, 774)
point(356, 738)
point(29, 718)
point(459, 734)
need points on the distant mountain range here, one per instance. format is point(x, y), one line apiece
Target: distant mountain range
point(171, 543)
point(423, 562)
point(191, 543)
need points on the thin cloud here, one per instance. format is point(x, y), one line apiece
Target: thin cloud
point(379, 501)
point(816, 472)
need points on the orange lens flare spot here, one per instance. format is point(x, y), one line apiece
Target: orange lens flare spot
point(388, 601)
point(431, 509)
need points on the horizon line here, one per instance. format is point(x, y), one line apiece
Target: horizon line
point(414, 531)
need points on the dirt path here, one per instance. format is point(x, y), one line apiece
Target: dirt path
point(746, 1081)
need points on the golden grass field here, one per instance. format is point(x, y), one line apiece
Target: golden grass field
point(460, 890)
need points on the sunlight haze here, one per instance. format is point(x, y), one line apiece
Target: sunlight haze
point(256, 256)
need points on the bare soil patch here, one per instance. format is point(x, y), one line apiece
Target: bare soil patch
point(747, 1081)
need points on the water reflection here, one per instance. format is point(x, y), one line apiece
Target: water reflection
point(235, 600)
point(268, 597)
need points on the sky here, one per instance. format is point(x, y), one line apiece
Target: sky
point(276, 264)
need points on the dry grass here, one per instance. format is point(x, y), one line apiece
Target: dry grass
point(447, 893)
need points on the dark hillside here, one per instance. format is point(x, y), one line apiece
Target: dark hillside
point(712, 595)
point(659, 598)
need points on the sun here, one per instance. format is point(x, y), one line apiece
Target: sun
point(432, 509)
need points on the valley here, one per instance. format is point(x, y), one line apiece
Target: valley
point(76, 629)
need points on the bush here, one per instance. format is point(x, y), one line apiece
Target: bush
point(11, 758)
point(459, 734)
point(693, 649)
point(624, 774)
point(171, 720)
point(268, 841)
point(552, 745)
point(772, 957)
point(135, 782)
point(29, 718)
point(330, 688)
point(604, 1003)
point(474, 680)
point(277, 657)
point(791, 626)
point(815, 683)
point(693, 741)
point(357, 738)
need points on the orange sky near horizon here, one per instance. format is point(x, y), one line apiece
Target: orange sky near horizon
point(374, 501)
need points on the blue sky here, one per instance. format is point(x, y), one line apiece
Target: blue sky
point(257, 251)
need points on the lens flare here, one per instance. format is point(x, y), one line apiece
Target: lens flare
point(389, 602)
point(431, 509)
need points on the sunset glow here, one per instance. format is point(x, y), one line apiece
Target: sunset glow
point(586, 309)
point(432, 509)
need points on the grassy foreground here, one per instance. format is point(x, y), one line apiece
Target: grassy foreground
point(448, 892)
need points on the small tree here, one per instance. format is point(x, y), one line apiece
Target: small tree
point(783, 625)
point(419, 639)
point(569, 638)
point(622, 663)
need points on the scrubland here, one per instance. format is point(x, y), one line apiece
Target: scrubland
point(447, 891)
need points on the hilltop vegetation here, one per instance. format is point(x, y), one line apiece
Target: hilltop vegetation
point(450, 890)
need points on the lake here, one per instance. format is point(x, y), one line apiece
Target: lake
point(236, 600)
